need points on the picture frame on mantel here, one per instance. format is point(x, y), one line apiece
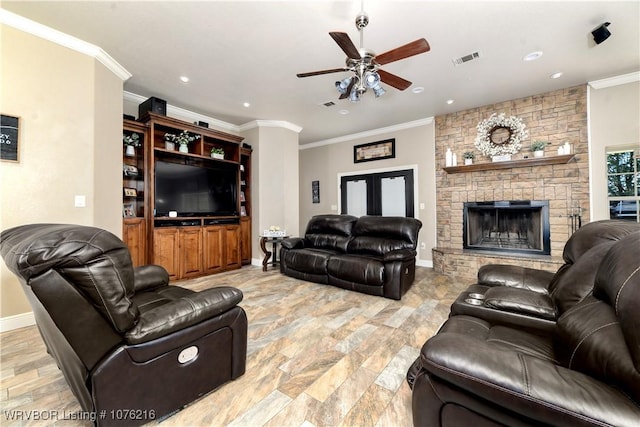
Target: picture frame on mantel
point(374, 151)
point(9, 138)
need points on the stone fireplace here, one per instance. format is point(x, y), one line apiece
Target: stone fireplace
point(556, 117)
point(509, 227)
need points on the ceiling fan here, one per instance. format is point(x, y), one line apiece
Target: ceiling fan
point(365, 64)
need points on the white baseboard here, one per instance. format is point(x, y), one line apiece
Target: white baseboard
point(18, 321)
point(424, 263)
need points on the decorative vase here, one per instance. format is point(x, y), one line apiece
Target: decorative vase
point(169, 146)
point(217, 156)
point(539, 153)
point(468, 162)
point(130, 151)
point(183, 148)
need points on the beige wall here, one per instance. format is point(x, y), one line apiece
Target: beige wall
point(414, 148)
point(70, 110)
point(275, 180)
point(613, 122)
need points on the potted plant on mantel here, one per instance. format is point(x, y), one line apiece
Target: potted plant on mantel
point(538, 148)
point(217, 153)
point(131, 142)
point(183, 140)
point(468, 157)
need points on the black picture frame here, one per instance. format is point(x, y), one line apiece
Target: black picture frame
point(374, 151)
point(315, 191)
point(9, 138)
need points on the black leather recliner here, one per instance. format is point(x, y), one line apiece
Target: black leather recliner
point(535, 298)
point(583, 372)
point(124, 339)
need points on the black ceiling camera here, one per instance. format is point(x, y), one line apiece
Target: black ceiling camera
point(601, 33)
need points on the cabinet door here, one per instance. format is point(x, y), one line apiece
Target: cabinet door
point(245, 240)
point(190, 252)
point(213, 251)
point(232, 247)
point(166, 248)
point(134, 236)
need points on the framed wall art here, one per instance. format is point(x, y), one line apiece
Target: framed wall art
point(374, 151)
point(9, 138)
point(315, 191)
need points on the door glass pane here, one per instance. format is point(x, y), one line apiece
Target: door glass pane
point(357, 198)
point(393, 196)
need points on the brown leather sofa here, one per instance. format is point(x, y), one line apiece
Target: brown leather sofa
point(372, 254)
point(584, 371)
point(534, 298)
point(130, 346)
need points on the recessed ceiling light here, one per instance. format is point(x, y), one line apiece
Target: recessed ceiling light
point(343, 112)
point(184, 79)
point(556, 75)
point(246, 105)
point(449, 101)
point(532, 56)
point(417, 89)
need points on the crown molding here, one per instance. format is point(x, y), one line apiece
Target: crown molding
point(47, 33)
point(182, 114)
point(369, 133)
point(615, 81)
point(270, 124)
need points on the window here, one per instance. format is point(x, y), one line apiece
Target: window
point(623, 183)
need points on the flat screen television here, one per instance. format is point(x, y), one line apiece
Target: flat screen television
point(195, 190)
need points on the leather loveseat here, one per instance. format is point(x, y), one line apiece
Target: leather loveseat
point(372, 254)
point(583, 371)
point(535, 298)
point(132, 348)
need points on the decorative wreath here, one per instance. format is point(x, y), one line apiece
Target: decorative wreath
point(517, 132)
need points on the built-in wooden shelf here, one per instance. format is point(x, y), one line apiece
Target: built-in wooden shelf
point(523, 163)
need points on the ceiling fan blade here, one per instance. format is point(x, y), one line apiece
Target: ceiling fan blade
point(317, 73)
point(393, 80)
point(346, 44)
point(402, 52)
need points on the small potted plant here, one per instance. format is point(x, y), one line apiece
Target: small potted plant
point(131, 142)
point(183, 140)
point(468, 157)
point(538, 148)
point(217, 153)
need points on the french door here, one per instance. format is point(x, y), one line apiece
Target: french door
point(384, 193)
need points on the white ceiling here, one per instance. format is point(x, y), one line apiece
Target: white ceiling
point(250, 51)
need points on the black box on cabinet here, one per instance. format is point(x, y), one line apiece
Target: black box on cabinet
point(154, 105)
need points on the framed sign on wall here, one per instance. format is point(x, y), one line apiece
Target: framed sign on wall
point(374, 151)
point(9, 133)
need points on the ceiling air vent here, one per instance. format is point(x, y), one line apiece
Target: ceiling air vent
point(328, 104)
point(466, 58)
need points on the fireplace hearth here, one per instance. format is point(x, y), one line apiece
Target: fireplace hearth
point(513, 226)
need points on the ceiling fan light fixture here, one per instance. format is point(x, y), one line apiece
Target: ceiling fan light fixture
point(371, 79)
point(378, 91)
point(355, 95)
point(342, 85)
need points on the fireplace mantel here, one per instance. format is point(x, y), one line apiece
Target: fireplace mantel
point(536, 161)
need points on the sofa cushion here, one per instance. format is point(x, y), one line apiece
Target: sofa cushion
point(313, 261)
point(357, 269)
point(376, 235)
point(331, 232)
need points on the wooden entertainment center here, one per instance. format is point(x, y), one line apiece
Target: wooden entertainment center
point(187, 246)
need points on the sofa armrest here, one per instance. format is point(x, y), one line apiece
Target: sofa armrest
point(515, 276)
point(293, 243)
point(399, 255)
point(182, 313)
point(521, 301)
point(149, 277)
point(524, 384)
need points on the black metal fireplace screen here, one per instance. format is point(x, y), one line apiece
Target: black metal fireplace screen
point(520, 226)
